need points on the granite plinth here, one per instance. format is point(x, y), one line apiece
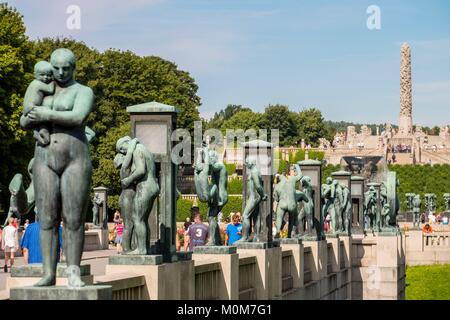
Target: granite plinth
point(308, 238)
point(331, 235)
point(123, 259)
point(290, 241)
point(388, 233)
point(35, 270)
point(252, 245)
point(215, 250)
point(184, 255)
point(100, 292)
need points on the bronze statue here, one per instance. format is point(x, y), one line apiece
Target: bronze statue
point(62, 169)
point(137, 172)
point(215, 194)
point(286, 196)
point(255, 194)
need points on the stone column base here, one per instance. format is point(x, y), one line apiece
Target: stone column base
point(268, 274)
point(163, 281)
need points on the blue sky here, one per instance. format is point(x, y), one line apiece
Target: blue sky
point(303, 53)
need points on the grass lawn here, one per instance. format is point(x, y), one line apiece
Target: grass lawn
point(428, 282)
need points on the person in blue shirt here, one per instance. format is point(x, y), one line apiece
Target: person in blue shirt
point(233, 232)
point(31, 244)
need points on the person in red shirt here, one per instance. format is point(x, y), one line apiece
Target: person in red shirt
point(427, 229)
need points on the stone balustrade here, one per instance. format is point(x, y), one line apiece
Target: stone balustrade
point(339, 268)
point(426, 249)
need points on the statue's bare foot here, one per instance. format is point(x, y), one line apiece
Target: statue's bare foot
point(73, 273)
point(74, 281)
point(46, 281)
point(136, 252)
point(133, 252)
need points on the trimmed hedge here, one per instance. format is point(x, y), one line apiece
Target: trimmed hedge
point(231, 168)
point(235, 186)
point(184, 208)
point(423, 179)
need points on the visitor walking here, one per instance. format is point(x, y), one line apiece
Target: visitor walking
point(328, 223)
point(119, 232)
point(10, 243)
point(196, 234)
point(16, 223)
point(234, 230)
point(116, 219)
point(26, 224)
point(187, 223)
point(31, 244)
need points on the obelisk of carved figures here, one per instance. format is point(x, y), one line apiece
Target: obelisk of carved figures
point(405, 123)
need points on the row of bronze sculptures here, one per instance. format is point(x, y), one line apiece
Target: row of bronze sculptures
point(56, 108)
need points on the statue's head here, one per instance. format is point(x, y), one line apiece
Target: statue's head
point(335, 182)
point(250, 162)
point(329, 180)
point(292, 171)
point(372, 189)
point(63, 62)
point(213, 158)
point(122, 144)
point(306, 182)
point(43, 71)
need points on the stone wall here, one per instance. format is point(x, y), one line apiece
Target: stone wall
point(339, 268)
point(422, 249)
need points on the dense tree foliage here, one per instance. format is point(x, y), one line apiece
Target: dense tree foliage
point(16, 67)
point(119, 79)
point(307, 124)
point(217, 121)
point(245, 119)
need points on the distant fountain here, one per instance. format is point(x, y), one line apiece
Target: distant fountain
point(372, 168)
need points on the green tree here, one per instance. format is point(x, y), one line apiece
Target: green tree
point(16, 66)
point(311, 126)
point(223, 115)
point(121, 79)
point(245, 119)
point(279, 117)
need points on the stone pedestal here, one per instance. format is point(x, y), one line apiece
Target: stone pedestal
point(414, 241)
point(298, 262)
point(268, 273)
point(28, 275)
point(163, 281)
point(318, 267)
point(345, 262)
point(379, 268)
point(96, 238)
point(61, 293)
point(334, 255)
point(229, 265)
